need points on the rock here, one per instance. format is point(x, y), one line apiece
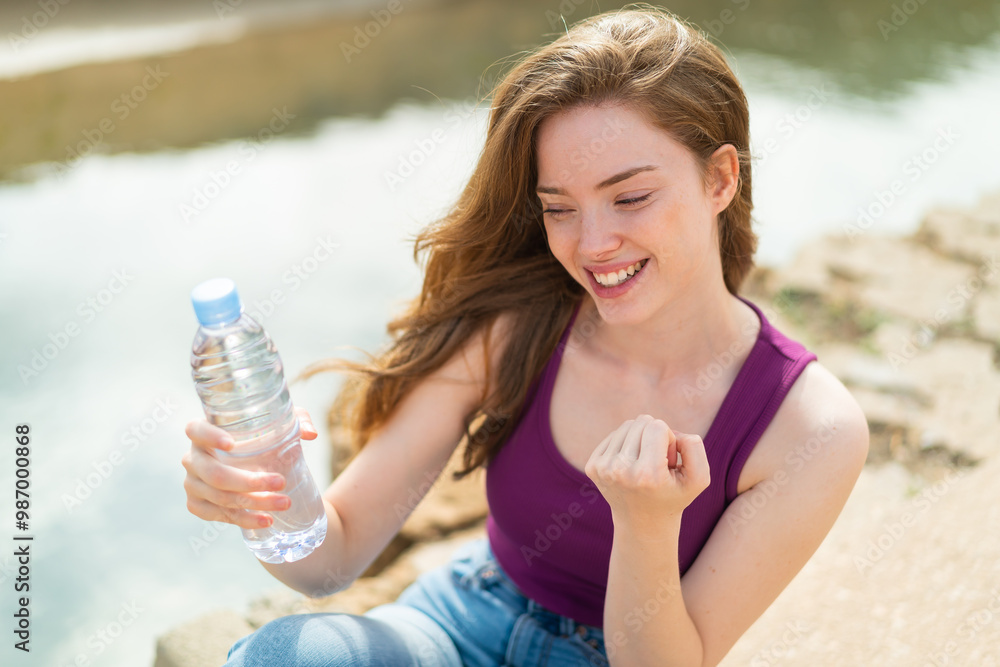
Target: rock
point(899, 277)
point(986, 314)
point(965, 386)
point(968, 236)
point(203, 642)
point(878, 592)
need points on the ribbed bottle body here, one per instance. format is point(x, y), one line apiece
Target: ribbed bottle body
point(240, 380)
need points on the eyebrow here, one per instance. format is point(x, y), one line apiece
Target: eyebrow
point(606, 183)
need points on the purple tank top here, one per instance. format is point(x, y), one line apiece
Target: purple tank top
point(549, 526)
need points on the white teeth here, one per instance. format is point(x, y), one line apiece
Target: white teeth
point(612, 279)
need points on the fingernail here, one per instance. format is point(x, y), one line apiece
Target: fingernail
point(264, 521)
point(226, 443)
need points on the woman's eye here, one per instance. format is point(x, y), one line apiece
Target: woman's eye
point(634, 200)
point(555, 211)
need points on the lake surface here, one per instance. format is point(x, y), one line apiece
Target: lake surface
point(98, 254)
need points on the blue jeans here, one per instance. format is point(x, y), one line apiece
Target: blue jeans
point(466, 612)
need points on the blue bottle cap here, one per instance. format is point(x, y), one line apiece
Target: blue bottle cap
point(216, 301)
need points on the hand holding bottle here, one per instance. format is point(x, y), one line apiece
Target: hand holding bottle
point(217, 491)
point(239, 378)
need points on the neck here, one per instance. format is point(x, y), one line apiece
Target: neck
point(690, 335)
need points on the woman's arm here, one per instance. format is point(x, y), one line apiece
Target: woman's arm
point(745, 564)
point(370, 500)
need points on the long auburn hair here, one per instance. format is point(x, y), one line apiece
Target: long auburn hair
point(489, 253)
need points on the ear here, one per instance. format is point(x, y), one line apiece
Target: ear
point(723, 177)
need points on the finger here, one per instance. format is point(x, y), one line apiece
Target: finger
point(655, 444)
point(203, 509)
point(207, 437)
point(262, 501)
point(227, 478)
point(611, 442)
point(633, 437)
point(694, 460)
point(309, 431)
point(673, 459)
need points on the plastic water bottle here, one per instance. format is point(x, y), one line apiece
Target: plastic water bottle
point(240, 380)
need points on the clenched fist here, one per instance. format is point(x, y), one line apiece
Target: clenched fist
point(646, 471)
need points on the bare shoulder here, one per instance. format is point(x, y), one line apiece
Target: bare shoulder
point(818, 413)
point(804, 469)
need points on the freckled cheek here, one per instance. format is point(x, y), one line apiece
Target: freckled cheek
point(563, 247)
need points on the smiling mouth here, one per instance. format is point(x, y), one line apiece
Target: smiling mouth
point(622, 276)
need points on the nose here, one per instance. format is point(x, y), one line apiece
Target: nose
point(598, 237)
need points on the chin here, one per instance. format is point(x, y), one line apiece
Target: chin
point(623, 313)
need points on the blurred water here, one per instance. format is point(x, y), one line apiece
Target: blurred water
point(114, 542)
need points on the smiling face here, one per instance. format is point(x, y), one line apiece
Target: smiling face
point(627, 209)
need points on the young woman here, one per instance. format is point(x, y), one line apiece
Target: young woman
point(660, 460)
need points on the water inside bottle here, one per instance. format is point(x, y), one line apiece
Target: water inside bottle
point(239, 377)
